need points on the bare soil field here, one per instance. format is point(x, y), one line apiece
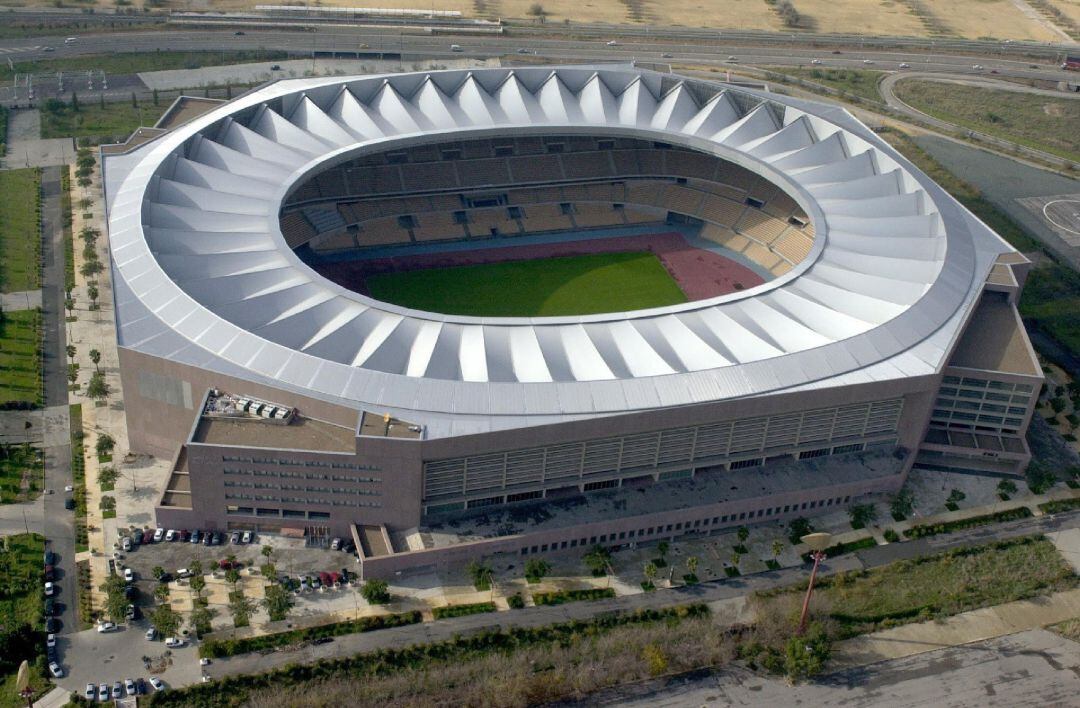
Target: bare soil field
point(964, 18)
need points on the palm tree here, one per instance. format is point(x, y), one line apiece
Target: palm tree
point(777, 549)
point(692, 564)
point(650, 572)
point(95, 357)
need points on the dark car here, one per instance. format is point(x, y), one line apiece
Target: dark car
point(69, 503)
point(52, 625)
point(323, 640)
point(239, 33)
point(219, 538)
point(50, 573)
point(275, 67)
point(147, 536)
point(131, 592)
point(140, 686)
point(208, 538)
point(184, 535)
point(136, 538)
point(50, 558)
point(50, 608)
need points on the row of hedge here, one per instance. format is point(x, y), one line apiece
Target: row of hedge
point(216, 648)
point(233, 690)
point(841, 548)
point(1060, 505)
point(560, 597)
point(924, 530)
point(462, 610)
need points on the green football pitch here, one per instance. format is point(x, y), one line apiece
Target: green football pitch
point(544, 287)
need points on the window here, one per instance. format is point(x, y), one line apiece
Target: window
point(743, 464)
point(811, 454)
point(318, 515)
point(605, 144)
point(555, 147)
point(397, 158)
point(756, 203)
point(503, 150)
point(451, 154)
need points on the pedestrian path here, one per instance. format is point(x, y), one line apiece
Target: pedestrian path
point(21, 300)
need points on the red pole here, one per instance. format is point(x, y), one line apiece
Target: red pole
point(818, 556)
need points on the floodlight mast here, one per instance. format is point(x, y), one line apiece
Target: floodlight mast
point(817, 542)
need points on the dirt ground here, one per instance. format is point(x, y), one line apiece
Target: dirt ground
point(965, 18)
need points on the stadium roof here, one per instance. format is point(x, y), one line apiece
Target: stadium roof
point(203, 274)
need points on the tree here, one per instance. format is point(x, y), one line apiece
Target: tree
point(162, 592)
point(743, 533)
point(241, 608)
point(862, 515)
point(663, 548)
point(232, 576)
point(89, 268)
point(1039, 477)
point(92, 293)
point(267, 552)
point(955, 497)
point(74, 101)
point(376, 591)
point(155, 97)
point(107, 476)
point(277, 602)
point(73, 372)
point(69, 304)
point(798, 528)
point(98, 388)
point(166, 620)
point(902, 505)
point(108, 503)
point(105, 444)
point(201, 618)
point(92, 267)
point(269, 571)
point(777, 548)
point(598, 560)
point(692, 564)
point(1006, 487)
point(95, 356)
point(536, 569)
point(649, 569)
point(481, 574)
point(158, 572)
point(70, 351)
point(735, 558)
point(537, 10)
point(115, 601)
point(198, 581)
point(134, 100)
point(85, 203)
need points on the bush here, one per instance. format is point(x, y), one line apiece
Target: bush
point(1039, 478)
point(902, 505)
point(891, 536)
point(376, 592)
point(797, 529)
point(216, 648)
point(861, 515)
point(923, 531)
point(1059, 506)
point(462, 610)
point(841, 548)
point(563, 596)
point(516, 601)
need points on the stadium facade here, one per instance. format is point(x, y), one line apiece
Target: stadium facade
point(883, 332)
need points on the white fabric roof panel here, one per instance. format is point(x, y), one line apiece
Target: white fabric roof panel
point(195, 238)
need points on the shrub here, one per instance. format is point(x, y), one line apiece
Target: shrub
point(891, 536)
point(798, 528)
point(216, 648)
point(861, 515)
point(1060, 505)
point(924, 530)
point(841, 548)
point(563, 596)
point(462, 610)
point(516, 601)
point(902, 505)
point(536, 569)
point(376, 591)
point(1039, 478)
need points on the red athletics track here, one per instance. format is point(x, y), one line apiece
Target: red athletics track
point(700, 274)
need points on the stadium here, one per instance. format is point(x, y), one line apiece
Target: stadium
point(456, 313)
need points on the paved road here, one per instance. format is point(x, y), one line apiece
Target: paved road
point(1032, 669)
point(706, 592)
point(59, 523)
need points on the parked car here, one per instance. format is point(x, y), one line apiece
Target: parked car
point(126, 544)
point(172, 642)
point(815, 61)
point(136, 538)
point(170, 535)
point(50, 558)
point(141, 685)
point(129, 686)
point(49, 589)
point(345, 577)
point(91, 692)
point(248, 537)
point(52, 625)
point(131, 592)
point(129, 575)
point(185, 535)
point(50, 640)
point(235, 538)
point(225, 564)
point(208, 538)
point(118, 690)
point(183, 573)
point(55, 670)
point(219, 538)
point(159, 534)
point(151, 634)
point(50, 572)
point(157, 683)
point(905, 65)
point(104, 693)
point(133, 613)
point(205, 661)
point(275, 67)
point(104, 627)
point(195, 536)
point(612, 43)
point(69, 503)
point(50, 608)
point(335, 544)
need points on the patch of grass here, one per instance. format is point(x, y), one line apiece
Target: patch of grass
point(20, 234)
point(859, 82)
point(560, 597)
point(16, 463)
point(1040, 122)
point(516, 601)
point(924, 530)
point(574, 285)
point(772, 564)
point(21, 598)
point(136, 62)
point(1069, 629)
point(940, 585)
point(108, 514)
point(731, 571)
point(69, 236)
point(114, 121)
point(20, 357)
point(462, 610)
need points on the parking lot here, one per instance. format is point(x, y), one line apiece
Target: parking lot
point(115, 656)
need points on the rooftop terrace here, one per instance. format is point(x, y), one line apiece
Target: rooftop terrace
point(995, 341)
point(299, 434)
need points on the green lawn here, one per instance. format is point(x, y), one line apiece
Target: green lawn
point(115, 120)
point(1040, 122)
point(573, 285)
point(135, 62)
point(20, 238)
point(21, 602)
point(17, 461)
point(859, 82)
point(20, 363)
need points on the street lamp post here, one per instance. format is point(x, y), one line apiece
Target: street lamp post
point(817, 542)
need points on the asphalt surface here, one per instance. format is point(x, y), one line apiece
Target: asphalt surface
point(705, 592)
point(59, 523)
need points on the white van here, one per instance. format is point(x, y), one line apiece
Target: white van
point(71, 40)
point(456, 48)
